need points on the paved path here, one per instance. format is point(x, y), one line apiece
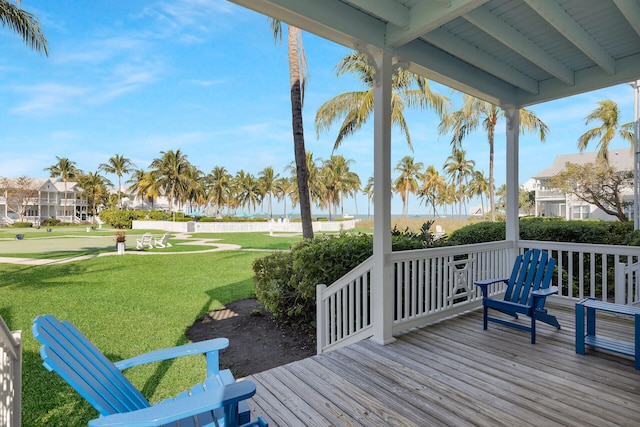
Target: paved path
point(195, 242)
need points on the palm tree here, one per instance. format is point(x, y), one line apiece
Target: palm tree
point(476, 112)
point(66, 170)
point(297, 78)
point(608, 114)
point(219, 180)
point(478, 186)
point(433, 184)
point(171, 171)
point(144, 184)
point(409, 90)
point(368, 190)
point(459, 170)
point(95, 187)
point(338, 181)
point(407, 181)
point(25, 24)
point(118, 165)
point(248, 189)
point(194, 190)
point(316, 186)
point(285, 187)
point(268, 179)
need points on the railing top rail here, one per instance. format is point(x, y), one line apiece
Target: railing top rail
point(451, 250)
point(580, 247)
point(6, 336)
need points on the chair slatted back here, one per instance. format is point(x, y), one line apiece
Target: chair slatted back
point(69, 353)
point(531, 272)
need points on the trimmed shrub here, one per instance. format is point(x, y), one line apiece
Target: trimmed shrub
point(50, 222)
point(285, 283)
point(18, 224)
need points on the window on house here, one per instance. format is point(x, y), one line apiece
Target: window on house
point(580, 212)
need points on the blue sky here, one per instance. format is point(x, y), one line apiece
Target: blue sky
point(204, 76)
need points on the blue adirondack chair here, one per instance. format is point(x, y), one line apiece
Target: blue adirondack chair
point(216, 402)
point(527, 290)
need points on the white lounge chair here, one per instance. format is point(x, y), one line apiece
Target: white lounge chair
point(439, 232)
point(144, 241)
point(162, 242)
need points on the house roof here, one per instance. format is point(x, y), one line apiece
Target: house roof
point(518, 52)
point(621, 159)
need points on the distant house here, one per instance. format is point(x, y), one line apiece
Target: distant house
point(554, 202)
point(48, 201)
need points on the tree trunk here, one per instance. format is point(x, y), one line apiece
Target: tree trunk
point(298, 133)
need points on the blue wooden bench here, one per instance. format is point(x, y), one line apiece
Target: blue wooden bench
point(590, 338)
point(219, 401)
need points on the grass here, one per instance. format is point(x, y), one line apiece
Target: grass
point(126, 305)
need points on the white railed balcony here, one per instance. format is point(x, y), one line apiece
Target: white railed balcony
point(10, 376)
point(550, 195)
point(433, 284)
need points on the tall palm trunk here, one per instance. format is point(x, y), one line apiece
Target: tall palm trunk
point(491, 135)
point(298, 133)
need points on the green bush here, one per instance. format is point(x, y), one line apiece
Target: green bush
point(18, 224)
point(50, 221)
point(285, 283)
point(121, 219)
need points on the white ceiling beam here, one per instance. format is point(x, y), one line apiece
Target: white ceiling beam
point(514, 40)
point(427, 16)
point(470, 54)
point(559, 19)
point(631, 11)
point(331, 19)
point(389, 10)
point(441, 67)
point(587, 80)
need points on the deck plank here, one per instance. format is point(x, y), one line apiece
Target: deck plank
point(455, 373)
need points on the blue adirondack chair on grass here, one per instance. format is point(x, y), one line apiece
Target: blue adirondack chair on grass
point(527, 290)
point(219, 401)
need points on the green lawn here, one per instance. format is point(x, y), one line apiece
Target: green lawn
point(126, 305)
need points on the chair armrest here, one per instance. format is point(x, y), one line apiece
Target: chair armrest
point(488, 282)
point(551, 290)
point(178, 409)
point(202, 347)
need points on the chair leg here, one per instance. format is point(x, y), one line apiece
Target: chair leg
point(533, 327)
point(484, 317)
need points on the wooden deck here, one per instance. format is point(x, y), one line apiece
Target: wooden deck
point(455, 374)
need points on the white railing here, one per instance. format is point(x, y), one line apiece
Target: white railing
point(432, 284)
point(10, 376)
point(345, 309)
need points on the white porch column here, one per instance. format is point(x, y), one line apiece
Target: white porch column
point(512, 115)
point(382, 273)
point(636, 156)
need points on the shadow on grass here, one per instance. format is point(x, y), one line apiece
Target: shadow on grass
point(163, 367)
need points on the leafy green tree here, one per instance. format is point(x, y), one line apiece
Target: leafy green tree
point(64, 169)
point(459, 170)
point(475, 113)
point(355, 108)
point(297, 78)
point(608, 114)
point(407, 181)
point(596, 183)
point(25, 24)
point(118, 165)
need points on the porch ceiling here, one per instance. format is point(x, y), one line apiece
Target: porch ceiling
point(518, 52)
